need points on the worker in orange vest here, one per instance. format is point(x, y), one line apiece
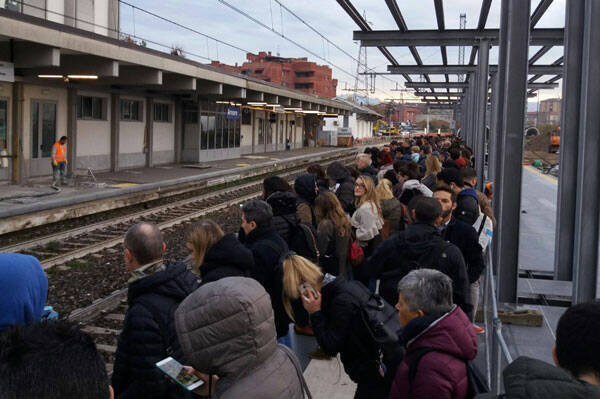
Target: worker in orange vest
point(59, 160)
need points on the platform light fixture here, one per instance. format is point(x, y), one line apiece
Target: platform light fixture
point(273, 105)
point(292, 109)
point(257, 104)
point(90, 77)
point(50, 76)
point(222, 102)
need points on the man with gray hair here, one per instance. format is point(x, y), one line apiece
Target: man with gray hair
point(439, 339)
point(148, 336)
point(365, 167)
point(267, 246)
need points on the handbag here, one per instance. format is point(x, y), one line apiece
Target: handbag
point(356, 255)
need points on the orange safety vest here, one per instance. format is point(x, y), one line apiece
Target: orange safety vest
point(61, 155)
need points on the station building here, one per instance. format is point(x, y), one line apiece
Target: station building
point(123, 105)
point(358, 122)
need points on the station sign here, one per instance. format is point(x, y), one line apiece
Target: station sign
point(233, 113)
point(7, 72)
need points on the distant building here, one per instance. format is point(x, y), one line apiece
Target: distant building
point(396, 112)
point(550, 111)
point(101, 17)
point(294, 73)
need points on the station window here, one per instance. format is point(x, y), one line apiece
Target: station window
point(218, 132)
point(91, 108)
point(162, 112)
point(131, 110)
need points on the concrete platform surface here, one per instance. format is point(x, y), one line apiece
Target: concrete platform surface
point(327, 379)
point(15, 200)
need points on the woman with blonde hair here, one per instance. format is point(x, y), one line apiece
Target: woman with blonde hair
point(391, 209)
point(333, 235)
point(367, 222)
point(432, 168)
point(217, 255)
point(337, 324)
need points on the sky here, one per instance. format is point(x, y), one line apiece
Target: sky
point(215, 19)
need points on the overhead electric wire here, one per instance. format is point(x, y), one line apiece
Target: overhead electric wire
point(256, 21)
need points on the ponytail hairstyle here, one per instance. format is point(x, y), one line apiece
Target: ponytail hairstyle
point(296, 271)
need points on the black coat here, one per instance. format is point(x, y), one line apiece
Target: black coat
point(345, 191)
point(149, 335)
point(284, 212)
point(466, 239)
point(527, 378)
point(267, 247)
point(338, 328)
point(227, 258)
point(418, 246)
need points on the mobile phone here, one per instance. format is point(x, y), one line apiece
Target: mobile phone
point(177, 373)
point(305, 288)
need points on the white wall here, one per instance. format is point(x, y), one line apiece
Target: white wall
point(93, 136)
point(131, 138)
point(164, 132)
point(101, 16)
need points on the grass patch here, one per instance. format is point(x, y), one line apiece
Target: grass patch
point(77, 263)
point(53, 246)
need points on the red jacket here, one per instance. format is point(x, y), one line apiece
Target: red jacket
point(439, 375)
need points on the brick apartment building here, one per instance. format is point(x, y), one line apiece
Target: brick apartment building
point(294, 73)
point(396, 112)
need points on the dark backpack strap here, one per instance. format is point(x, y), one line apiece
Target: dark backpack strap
point(294, 360)
point(416, 357)
point(482, 225)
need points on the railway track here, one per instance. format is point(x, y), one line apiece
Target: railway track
point(60, 248)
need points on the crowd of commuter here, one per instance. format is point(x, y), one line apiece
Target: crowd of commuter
point(380, 262)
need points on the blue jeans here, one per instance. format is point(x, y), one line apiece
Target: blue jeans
point(60, 168)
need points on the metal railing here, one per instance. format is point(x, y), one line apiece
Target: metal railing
point(497, 355)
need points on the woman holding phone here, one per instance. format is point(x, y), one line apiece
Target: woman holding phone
point(335, 317)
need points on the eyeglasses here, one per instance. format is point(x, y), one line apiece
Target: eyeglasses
point(359, 185)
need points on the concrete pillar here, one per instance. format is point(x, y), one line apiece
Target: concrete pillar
point(149, 141)
point(71, 131)
point(20, 166)
point(115, 118)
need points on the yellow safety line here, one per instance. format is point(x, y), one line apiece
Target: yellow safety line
point(535, 171)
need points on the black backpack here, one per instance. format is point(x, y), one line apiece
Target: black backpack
point(303, 240)
point(477, 381)
point(389, 279)
point(381, 321)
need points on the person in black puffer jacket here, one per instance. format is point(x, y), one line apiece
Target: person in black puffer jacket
point(148, 335)
point(217, 255)
point(259, 236)
point(344, 185)
point(284, 212)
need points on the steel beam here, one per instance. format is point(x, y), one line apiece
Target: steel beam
point(480, 111)
point(540, 53)
point(567, 182)
point(459, 69)
point(539, 12)
point(461, 85)
point(515, 83)
point(587, 210)
point(491, 172)
point(451, 37)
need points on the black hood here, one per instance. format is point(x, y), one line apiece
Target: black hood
point(419, 238)
point(229, 252)
point(337, 171)
point(282, 203)
point(176, 281)
point(305, 187)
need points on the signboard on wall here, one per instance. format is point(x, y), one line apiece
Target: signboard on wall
point(7, 72)
point(233, 113)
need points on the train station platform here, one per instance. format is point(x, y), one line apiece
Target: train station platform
point(140, 184)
